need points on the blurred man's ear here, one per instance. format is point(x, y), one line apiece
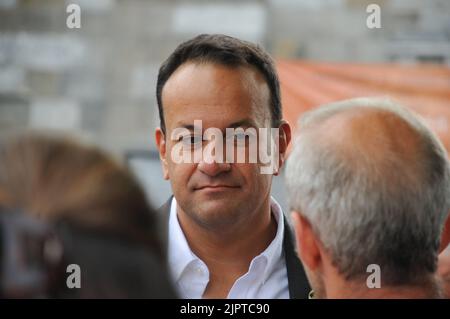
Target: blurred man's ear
point(161, 144)
point(307, 243)
point(445, 239)
point(283, 142)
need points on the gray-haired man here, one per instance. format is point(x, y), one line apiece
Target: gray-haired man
point(369, 186)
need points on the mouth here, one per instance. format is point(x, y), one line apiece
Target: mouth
point(216, 188)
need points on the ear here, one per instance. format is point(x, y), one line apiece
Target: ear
point(445, 239)
point(307, 244)
point(161, 144)
point(283, 142)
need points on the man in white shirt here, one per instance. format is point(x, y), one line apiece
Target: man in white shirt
point(227, 238)
point(266, 277)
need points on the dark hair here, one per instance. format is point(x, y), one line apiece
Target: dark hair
point(35, 255)
point(225, 50)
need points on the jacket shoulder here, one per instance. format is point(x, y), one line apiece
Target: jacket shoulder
point(299, 287)
point(163, 214)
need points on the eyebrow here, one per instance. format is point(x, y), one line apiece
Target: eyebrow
point(240, 123)
point(190, 127)
point(243, 123)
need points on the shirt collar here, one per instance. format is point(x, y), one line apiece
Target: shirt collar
point(179, 252)
point(180, 255)
point(274, 251)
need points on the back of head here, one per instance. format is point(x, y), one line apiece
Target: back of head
point(58, 178)
point(374, 183)
point(42, 259)
point(105, 212)
point(111, 267)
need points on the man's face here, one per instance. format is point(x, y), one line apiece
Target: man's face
point(215, 194)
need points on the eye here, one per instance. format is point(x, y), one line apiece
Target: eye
point(240, 137)
point(192, 140)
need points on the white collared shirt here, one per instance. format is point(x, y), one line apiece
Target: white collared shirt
point(266, 277)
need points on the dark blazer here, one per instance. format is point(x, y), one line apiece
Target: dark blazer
point(298, 284)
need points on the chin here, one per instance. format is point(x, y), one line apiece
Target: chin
point(217, 213)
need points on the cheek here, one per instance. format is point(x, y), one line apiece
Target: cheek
point(177, 171)
point(251, 174)
point(180, 174)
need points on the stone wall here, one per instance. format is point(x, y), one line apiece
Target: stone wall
point(99, 81)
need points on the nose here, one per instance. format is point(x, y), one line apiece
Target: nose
point(212, 168)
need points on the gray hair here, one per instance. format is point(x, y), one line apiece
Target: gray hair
point(391, 215)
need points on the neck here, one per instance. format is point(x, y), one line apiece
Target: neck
point(429, 289)
point(234, 248)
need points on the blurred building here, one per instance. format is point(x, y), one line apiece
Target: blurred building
point(98, 81)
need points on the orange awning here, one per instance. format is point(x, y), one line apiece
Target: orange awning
point(423, 88)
